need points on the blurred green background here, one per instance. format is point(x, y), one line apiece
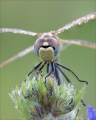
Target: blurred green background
point(44, 16)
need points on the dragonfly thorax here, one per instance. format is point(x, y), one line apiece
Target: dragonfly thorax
point(47, 48)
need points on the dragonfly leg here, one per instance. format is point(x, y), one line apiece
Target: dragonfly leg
point(83, 103)
point(76, 77)
point(39, 72)
point(34, 69)
point(70, 82)
point(47, 68)
point(72, 73)
point(55, 71)
point(71, 101)
point(63, 74)
point(52, 70)
point(42, 66)
point(77, 112)
point(57, 74)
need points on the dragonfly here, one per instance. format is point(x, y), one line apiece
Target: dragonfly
point(47, 47)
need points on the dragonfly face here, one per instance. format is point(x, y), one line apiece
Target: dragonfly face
point(47, 48)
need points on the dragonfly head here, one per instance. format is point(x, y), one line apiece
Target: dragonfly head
point(47, 48)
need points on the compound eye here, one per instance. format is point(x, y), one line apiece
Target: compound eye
point(49, 42)
point(39, 42)
point(54, 44)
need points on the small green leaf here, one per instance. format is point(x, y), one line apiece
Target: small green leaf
point(79, 96)
point(23, 89)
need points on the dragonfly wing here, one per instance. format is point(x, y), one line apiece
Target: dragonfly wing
point(79, 21)
point(20, 54)
point(19, 31)
point(79, 42)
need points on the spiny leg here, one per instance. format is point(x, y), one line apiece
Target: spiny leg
point(75, 76)
point(39, 71)
point(42, 66)
point(77, 112)
point(72, 73)
point(57, 74)
point(63, 74)
point(83, 103)
point(69, 81)
point(71, 101)
point(47, 68)
point(34, 69)
point(52, 71)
